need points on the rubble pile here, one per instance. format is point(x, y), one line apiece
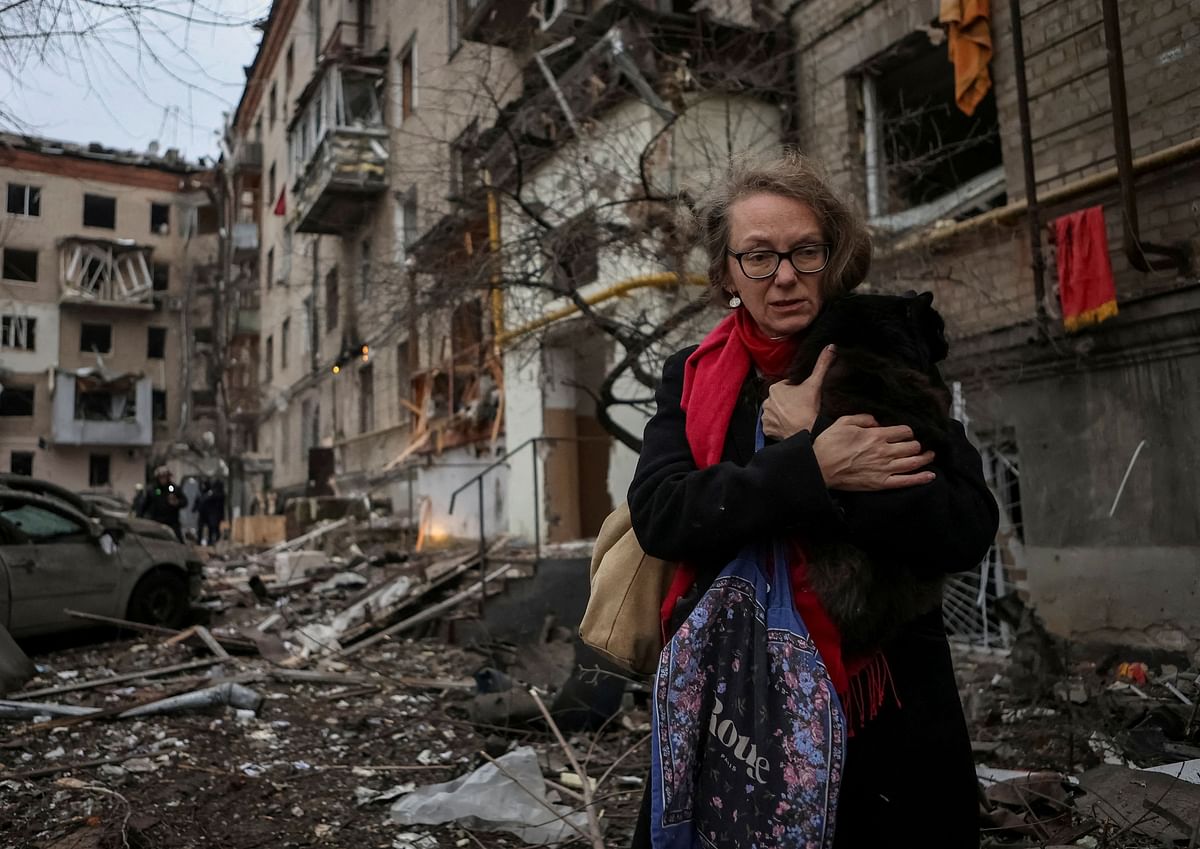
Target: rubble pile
point(324, 702)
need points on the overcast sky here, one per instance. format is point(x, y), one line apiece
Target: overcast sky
point(170, 83)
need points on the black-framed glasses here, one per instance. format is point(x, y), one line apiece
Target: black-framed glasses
point(760, 264)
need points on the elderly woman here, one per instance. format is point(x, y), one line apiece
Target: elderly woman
point(780, 244)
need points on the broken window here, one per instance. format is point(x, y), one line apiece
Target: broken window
point(284, 333)
point(160, 277)
point(271, 185)
point(331, 299)
point(925, 159)
point(158, 405)
point(440, 396)
point(24, 200)
point(289, 67)
point(359, 106)
point(16, 401)
point(408, 79)
point(270, 267)
point(100, 211)
point(406, 206)
point(105, 405)
point(18, 332)
point(20, 265)
point(202, 335)
point(21, 463)
point(207, 220)
point(156, 343)
point(466, 333)
point(269, 360)
point(95, 338)
point(364, 269)
point(160, 219)
point(272, 103)
point(403, 383)
point(99, 470)
point(366, 399)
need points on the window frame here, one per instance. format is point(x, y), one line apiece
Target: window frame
point(83, 325)
point(161, 211)
point(32, 197)
point(94, 199)
point(9, 325)
point(26, 252)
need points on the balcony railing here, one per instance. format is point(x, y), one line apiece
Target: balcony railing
point(339, 148)
point(95, 408)
point(105, 273)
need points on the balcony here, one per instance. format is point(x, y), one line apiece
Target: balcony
point(95, 407)
point(105, 273)
point(338, 144)
point(248, 156)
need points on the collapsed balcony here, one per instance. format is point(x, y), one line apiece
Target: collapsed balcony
point(104, 272)
point(94, 406)
point(338, 144)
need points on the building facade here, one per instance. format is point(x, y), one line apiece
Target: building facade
point(102, 338)
point(466, 253)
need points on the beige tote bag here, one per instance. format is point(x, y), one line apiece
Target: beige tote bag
point(628, 587)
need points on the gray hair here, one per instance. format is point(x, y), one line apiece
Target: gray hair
point(789, 175)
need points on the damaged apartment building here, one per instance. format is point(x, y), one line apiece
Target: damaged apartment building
point(470, 272)
point(106, 329)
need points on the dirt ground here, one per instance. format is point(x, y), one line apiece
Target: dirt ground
point(301, 770)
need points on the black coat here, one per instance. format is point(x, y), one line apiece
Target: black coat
point(909, 772)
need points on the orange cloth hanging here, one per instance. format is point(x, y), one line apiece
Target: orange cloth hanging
point(969, 49)
point(1085, 278)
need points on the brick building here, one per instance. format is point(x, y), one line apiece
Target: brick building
point(1066, 421)
point(381, 328)
point(103, 335)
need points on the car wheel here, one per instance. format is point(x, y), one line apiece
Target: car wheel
point(160, 598)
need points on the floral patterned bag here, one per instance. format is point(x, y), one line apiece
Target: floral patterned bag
point(748, 733)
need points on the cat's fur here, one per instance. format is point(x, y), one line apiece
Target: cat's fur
point(887, 348)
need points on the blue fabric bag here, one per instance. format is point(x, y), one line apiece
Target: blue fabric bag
point(749, 736)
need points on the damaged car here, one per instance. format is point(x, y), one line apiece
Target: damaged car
point(54, 557)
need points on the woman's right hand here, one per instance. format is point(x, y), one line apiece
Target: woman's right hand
point(856, 454)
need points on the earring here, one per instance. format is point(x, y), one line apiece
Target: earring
point(735, 302)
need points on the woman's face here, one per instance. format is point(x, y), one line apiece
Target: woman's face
point(787, 301)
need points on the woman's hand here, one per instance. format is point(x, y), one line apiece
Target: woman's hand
point(856, 454)
point(791, 408)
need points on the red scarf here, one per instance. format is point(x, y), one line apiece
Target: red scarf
point(712, 380)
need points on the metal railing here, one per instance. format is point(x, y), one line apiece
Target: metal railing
point(477, 481)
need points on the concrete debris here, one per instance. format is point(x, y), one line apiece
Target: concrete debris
point(346, 665)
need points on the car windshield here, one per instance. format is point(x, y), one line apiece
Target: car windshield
point(36, 522)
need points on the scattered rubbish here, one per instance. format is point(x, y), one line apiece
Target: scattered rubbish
point(1134, 673)
point(366, 796)
point(1152, 804)
point(507, 795)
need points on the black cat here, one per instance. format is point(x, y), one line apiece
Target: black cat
point(887, 347)
point(887, 350)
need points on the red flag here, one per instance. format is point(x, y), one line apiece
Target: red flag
point(281, 204)
point(1085, 279)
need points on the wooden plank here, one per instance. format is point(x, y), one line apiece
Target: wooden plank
point(116, 679)
point(211, 641)
point(426, 614)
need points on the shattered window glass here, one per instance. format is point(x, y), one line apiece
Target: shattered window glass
point(38, 523)
point(360, 103)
